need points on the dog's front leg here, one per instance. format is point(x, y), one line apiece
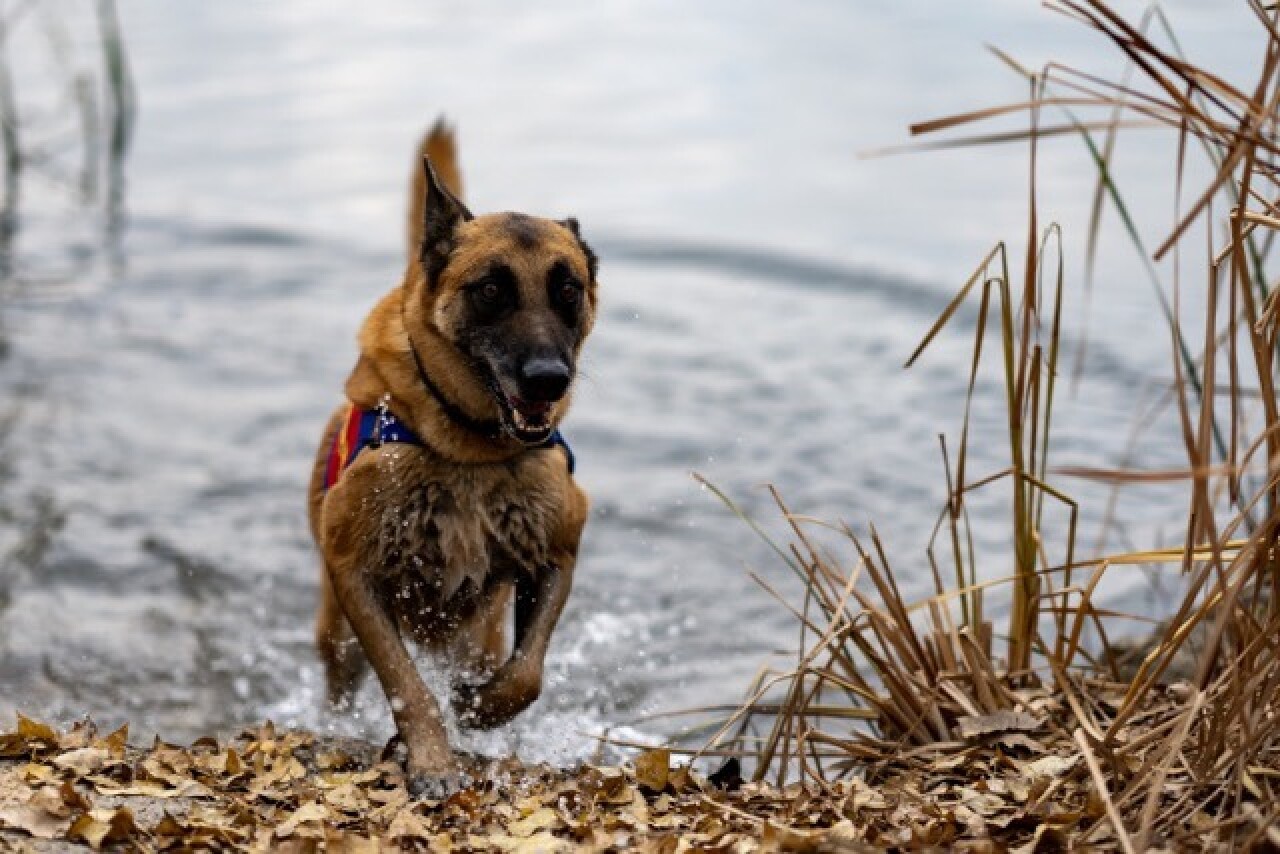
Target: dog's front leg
point(431, 767)
point(540, 598)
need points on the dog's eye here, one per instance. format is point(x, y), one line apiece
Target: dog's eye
point(488, 291)
point(569, 293)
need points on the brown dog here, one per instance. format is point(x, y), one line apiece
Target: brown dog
point(442, 487)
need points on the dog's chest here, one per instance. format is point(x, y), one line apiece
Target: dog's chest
point(448, 528)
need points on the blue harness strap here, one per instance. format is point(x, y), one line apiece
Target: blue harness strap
point(370, 428)
point(557, 440)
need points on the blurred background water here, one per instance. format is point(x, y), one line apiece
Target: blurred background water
point(168, 365)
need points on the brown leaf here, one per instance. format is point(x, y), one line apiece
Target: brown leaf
point(36, 731)
point(653, 769)
point(683, 780)
point(100, 826)
point(30, 737)
point(117, 741)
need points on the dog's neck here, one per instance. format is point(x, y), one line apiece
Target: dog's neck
point(387, 367)
point(486, 428)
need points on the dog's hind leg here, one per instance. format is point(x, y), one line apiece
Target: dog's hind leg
point(344, 661)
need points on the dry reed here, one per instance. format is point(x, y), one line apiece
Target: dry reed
point(884, 689)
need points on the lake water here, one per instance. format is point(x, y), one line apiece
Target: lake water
point(762, 286)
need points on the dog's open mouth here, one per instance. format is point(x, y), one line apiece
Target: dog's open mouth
point(529, 422)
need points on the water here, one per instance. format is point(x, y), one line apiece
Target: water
point(761, 288)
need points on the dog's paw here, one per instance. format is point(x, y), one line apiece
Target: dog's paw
point(436, 786)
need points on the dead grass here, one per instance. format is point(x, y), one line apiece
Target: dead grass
point(885, 690)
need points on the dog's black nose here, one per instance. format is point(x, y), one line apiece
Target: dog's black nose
point(543, 380)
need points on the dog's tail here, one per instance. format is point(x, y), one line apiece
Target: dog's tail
point(438, 147)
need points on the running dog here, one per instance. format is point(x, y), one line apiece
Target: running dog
point(442, 498)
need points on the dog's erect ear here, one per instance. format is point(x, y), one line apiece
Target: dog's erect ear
point(441, 214)
point(592, 262)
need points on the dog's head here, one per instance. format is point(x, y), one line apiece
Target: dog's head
point(516, 296)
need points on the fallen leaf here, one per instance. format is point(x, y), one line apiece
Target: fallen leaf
point(152, 788)
point(36, 731)
point(682, 780)
point(536, 821)
point(1013, 740)
point(347, 797)
point(408, 825)
point(82, 762)
point(117, 741)
point(541, 843)
point(1050, 766)
point(307, 820)
point(43, 815)
point(653, 769)
point(99, 826)
point(1005, 720)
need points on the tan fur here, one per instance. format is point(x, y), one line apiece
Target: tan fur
point(429, 542)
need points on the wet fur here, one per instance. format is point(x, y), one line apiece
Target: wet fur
point(440, 543)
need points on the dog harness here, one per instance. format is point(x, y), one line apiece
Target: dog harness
point(370, 428)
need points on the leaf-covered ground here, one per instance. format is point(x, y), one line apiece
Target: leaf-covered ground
point(268, 791)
